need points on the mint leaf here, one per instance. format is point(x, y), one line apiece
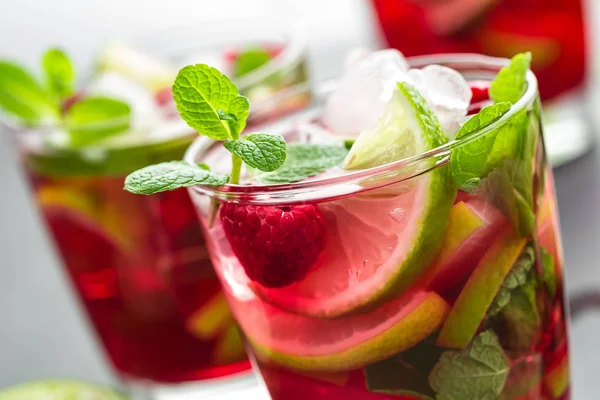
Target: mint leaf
point(405, 374)
point(210, 103)
point(262, 151)
point(96, 118)
point(60, 74)
point(22, 96)
point(511, 82)
point(548, 276)
point(250, 60)
point(473, 161)
point(304, 160)
point(170, 176)
point(518, 324)
point(478, 372)
point(509, 188)
point(516, 278)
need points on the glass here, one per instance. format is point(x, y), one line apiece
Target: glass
point(364, 323)
point(554, 31)
point(139, 264)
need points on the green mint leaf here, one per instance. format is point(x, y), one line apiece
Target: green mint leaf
point(204, 166)
point(518, 325)
point(483, 118)
point(96, 118)
point(478, 372)
point(22, 96)
point(349, 143)
point(405, 374)
point(170, 176)
point(304, 160)
point(60, 74)
point(474, 160)
point(511, 82)
point(262, 151)
point(250, 60)
point(548, 276)
point(509, 189)
point(210, 103)
point(516, 278)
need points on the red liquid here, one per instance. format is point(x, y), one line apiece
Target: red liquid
point(553, 30)
point(141, 269)
point(306, 348)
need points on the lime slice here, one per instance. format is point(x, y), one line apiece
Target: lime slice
point(479, 292)
point(331, 345)
point(136, 65)
point(406, 128)
point(59, 390)
point(473, 227)
point(378, 243)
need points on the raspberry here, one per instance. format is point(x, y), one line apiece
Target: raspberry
point(275, 245)
point(480, 92)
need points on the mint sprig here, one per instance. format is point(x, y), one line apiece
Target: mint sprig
point(210, 103)
point(511, 82)
point(95, 118)
point(516, 278)
point(259, 150)
point(60, 74)
point(405, 374)
point(169, 176)
point(33, 103)
point(498, 166)
point(305, 160)
point(24, 97)
point(478, 372)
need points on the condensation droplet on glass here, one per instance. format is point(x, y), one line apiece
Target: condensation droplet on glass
point(397, 214)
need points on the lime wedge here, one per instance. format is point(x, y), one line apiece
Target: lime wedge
point(59, 390)
point(379, 242)
point(406, 128)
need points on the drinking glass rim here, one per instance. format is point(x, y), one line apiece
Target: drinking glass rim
point(291, 53)
point(285, 192)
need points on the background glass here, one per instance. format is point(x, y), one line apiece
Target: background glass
point(139, 264)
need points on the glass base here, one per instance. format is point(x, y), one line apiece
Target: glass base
point(232, 387)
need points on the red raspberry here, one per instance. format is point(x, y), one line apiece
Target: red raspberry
point(480, 90)
point(275, 245)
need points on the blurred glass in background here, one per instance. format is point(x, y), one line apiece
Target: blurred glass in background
point(554, 31)
point(139, 264)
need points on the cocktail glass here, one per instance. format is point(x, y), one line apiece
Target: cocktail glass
point(415, 290)
point(140, 265)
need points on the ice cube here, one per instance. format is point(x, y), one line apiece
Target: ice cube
point(364, 89)
point(144, 110)
point(447, 93)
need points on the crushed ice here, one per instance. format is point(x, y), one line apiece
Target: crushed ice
point(369, 80)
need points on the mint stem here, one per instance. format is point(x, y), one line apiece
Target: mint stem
point(236, 167)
